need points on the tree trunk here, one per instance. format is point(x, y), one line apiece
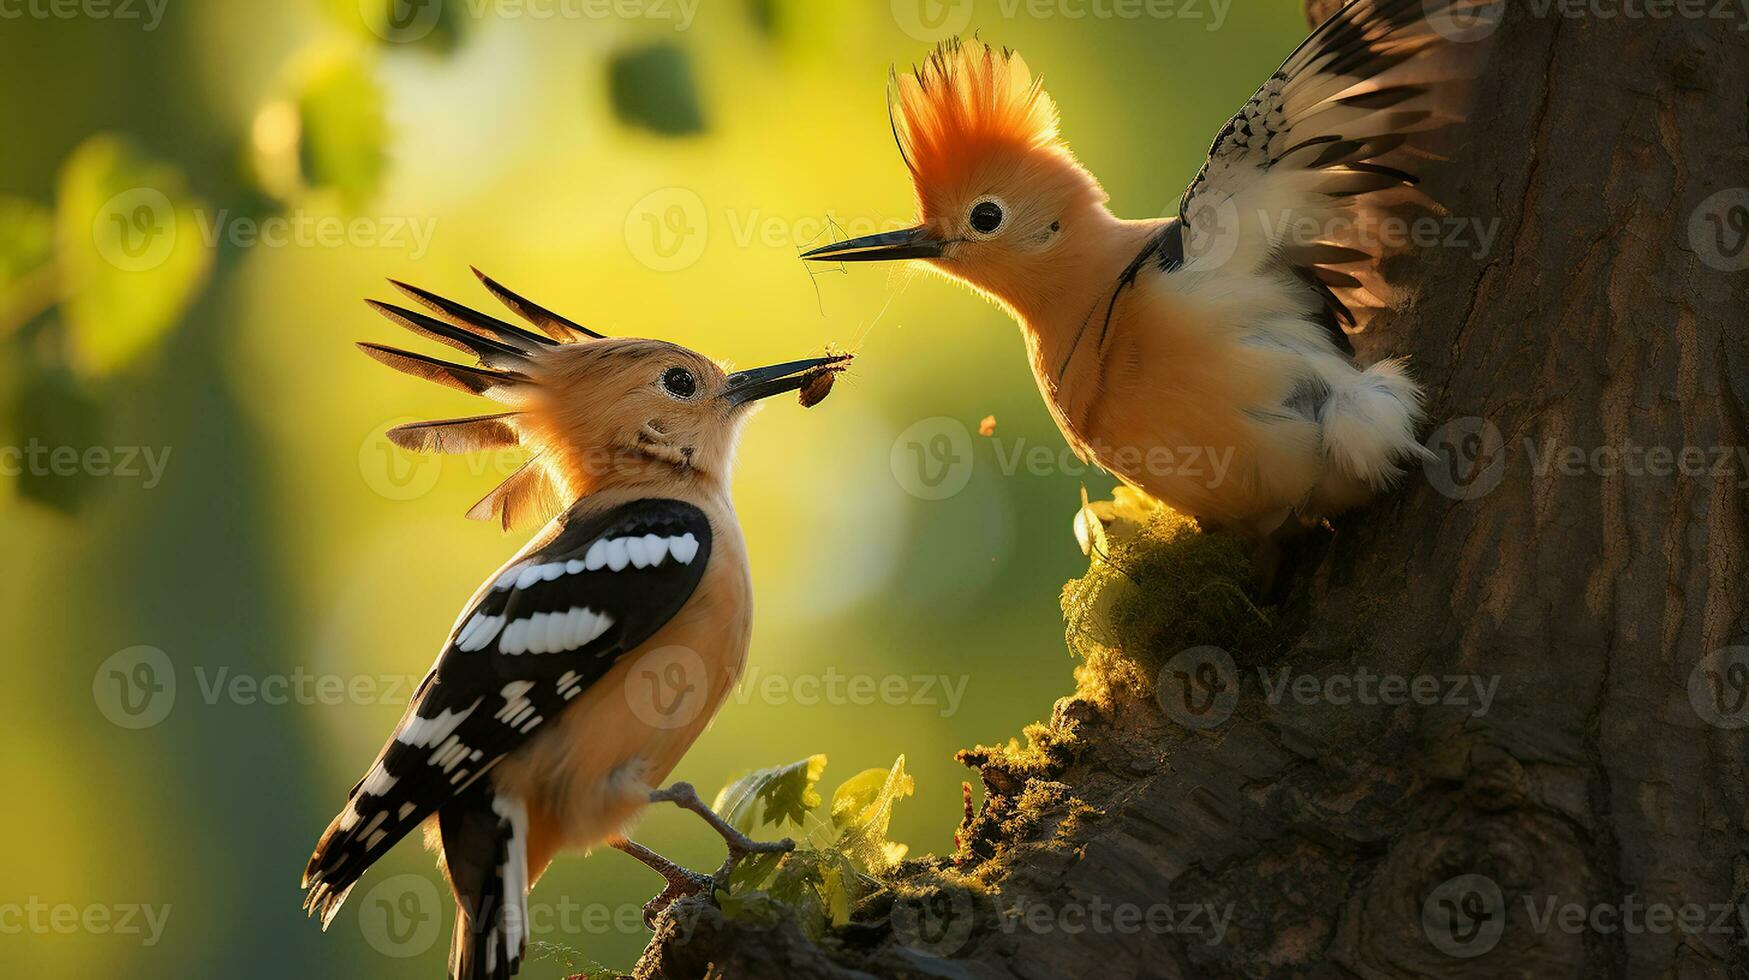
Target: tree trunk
point(1579, 819)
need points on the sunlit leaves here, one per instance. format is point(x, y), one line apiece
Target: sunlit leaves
point(862, 809)
point(652, 88)
point(772, 796)
point(342, 135)
point(842, 844)
point(327, 134)
point(132, 249)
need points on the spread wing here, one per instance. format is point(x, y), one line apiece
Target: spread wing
point(552, 622)
point(1328, 149)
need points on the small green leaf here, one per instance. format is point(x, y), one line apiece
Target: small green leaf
point(27, 240)
point(133, 248)
point(769, 797)
point(56, 420)
point(342, 137)
point(863, 809)
point(652, 88)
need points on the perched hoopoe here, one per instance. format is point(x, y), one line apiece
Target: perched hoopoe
point(1222, 329)
point(526, 738)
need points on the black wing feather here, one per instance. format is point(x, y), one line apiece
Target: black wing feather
point(481, 702)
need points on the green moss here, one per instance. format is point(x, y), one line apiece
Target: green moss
point(1165, 588)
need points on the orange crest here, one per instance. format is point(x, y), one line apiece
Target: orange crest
point(967, 102)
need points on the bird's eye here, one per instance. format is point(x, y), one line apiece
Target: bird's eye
point(679, 382)
point(986, 217)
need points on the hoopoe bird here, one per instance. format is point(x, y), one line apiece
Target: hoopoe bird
point(544, 725)
point(1223, 329)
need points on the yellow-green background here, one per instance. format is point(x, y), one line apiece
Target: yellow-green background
point(266, 549)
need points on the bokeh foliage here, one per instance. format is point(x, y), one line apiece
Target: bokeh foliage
point(282, 542)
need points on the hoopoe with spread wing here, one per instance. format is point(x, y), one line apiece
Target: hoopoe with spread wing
point(583, 669)
point(1222, 329)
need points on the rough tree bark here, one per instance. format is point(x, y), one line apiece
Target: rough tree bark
point(1340, 838)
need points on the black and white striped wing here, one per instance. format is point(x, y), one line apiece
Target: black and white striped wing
point(1331, 144)
point(551, 623)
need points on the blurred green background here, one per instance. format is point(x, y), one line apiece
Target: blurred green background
point(195, 196)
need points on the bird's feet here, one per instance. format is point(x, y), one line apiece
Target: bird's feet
point(681, 882)
point(740, 845)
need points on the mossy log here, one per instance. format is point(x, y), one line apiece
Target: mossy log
point(1327, 837)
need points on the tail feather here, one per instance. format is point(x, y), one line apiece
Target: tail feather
point(485, 857)
point(1370, 422)
point(559, 328)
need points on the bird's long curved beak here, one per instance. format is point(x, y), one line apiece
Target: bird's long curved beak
point(909, 243)
point(763, 382)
